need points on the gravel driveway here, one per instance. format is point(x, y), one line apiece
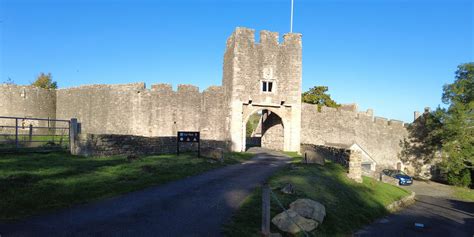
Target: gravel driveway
point(195, 206)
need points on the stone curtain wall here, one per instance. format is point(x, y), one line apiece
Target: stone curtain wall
point(132, 109)
point(378, 136)
point(27, 102)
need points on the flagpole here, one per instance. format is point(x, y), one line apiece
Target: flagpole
point(291, 18)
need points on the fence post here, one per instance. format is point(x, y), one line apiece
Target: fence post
point(265, 209)
point(16, 134)
point(73, 132)
point(30, 137)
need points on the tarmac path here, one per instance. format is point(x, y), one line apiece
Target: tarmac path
point(435, 213)
point(194, 206)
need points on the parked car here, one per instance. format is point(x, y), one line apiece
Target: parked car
point(403, 179)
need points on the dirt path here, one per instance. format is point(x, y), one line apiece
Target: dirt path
point(195, 206)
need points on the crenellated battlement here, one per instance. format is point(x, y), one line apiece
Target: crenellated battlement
point(292, 39)
point(380, 120)
point(128, 86)
point(139, 86)
point(269, 38)
point(162, 87)
point(397, 123)
point(351, 110)
point(246, 37)
point(213, 89)
point(26, 87)
point(186, 88)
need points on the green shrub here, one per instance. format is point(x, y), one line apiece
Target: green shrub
point(463, 179)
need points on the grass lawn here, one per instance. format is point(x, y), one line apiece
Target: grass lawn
point(34, 183)
point(465, 194)
point(349, 205)
point(43, 141)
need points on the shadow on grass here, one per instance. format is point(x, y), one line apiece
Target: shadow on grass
point(32, 183)
point(349, 205)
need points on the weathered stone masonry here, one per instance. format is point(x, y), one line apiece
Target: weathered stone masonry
point(246, 65)
point(27, 101)
point(220, 113)
point(378, 136)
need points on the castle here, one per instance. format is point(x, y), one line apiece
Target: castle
point(262, 77)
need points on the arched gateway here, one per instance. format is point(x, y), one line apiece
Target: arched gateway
point(269, 131)
point(264, 76)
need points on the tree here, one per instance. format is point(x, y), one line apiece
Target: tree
point(45, 81)
point(318, 96)
point(458, 124)
point(9, 81)
point(447, 133)
point(252, 124)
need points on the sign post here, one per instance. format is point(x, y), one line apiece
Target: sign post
point(184, 136)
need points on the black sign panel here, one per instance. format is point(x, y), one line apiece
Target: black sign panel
point(188, 136)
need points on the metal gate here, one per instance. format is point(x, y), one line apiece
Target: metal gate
point(17, 133)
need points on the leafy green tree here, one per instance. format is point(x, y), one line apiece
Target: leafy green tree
point(458, 123)
point(318, 95)
point(45, 81)
point(447, 133)
point(252, 124)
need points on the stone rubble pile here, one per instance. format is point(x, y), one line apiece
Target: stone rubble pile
point(303, 214)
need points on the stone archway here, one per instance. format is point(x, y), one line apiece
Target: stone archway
point(271, 129)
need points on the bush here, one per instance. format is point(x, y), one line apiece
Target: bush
point(463, 179)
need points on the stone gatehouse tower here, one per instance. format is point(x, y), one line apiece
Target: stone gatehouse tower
point(264, 76)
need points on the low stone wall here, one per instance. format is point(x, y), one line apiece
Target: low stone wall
point(112, 144)
point(337, 155)
point(388, 179)
point(351, 160)
point(404, 202)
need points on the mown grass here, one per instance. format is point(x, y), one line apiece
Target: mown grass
point(465, 194)
point(349, 205)
point(8, 141)
point(35, 183)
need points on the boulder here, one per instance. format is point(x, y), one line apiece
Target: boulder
point(213, 153)
point(288, 189)
point(312, 157)
point(285, 221)
point(309, 209)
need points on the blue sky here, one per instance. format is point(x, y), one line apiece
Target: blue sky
point(389, 55)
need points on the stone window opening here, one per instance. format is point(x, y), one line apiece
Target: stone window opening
point(267, 86)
